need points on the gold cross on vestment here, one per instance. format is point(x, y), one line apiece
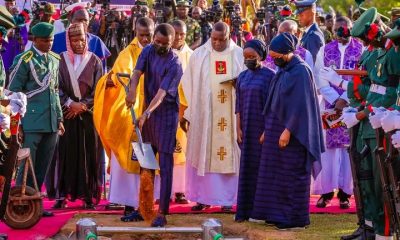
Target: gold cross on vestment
point(222, 124)
point(221, 153)
point(222, 96)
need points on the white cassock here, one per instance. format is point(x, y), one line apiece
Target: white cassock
point(179, 173)
point(124, 186)
point(213, 154)
point(336, 169)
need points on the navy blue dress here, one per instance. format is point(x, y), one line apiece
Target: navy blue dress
point(251, 92)
point(283, 179)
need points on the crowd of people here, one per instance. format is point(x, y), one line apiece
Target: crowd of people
point(261, 126)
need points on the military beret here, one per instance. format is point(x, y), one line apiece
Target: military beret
point(6, 19)
point(302, 5)
point(43, 30)
point(395, 33)
point(182, 3)
point(369, 16)
point(49, 9)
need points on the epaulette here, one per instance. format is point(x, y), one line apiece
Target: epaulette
point(26, 56)
point(55, 55)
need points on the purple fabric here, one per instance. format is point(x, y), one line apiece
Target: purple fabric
point(292, 97)
point(251, 93)
point(339, 137)
point(161, 73)
point(269, 61)
point(13, 48)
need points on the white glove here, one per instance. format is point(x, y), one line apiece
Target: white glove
point(349, 117)
point(376, 116)
point(396, 139)
point(330, 75)
point(18, 102)
point(4, 121)
point(389, 120)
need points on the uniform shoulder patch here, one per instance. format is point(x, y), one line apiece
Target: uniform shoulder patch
point(26, 56)
point(55, 55)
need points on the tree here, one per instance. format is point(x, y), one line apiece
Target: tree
point(343, 6)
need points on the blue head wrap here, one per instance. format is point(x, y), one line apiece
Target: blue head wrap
point(259, 47)
point(284, 43)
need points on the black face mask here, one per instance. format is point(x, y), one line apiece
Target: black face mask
point(160, 50)
point(280, 62)
point(251, 64)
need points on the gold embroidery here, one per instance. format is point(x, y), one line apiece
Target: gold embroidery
point(379, 70)
point(222, 124)
point(221, 153)
point(222, 96)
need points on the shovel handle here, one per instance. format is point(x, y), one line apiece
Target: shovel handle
point(135, 122)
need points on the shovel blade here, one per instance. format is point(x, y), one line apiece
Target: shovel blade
point(146, 158)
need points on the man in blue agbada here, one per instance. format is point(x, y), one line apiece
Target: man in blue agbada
point(162, 73)
point(96, 45)
point(293, 140)
point(251, 93)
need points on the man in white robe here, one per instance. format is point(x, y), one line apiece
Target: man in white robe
point(212, 151)
point(184, 52)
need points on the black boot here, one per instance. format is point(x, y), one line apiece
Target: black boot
point(363, 232)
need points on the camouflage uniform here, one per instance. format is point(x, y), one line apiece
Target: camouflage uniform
point(193, 30)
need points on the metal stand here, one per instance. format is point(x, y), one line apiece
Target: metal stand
point(211, 229)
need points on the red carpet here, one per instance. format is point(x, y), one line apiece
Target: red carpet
point(50, 226)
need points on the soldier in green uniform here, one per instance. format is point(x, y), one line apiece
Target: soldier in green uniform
point(381, 94)
point(193, 35)
point(35, 73)
point(47, 12)
point(357, 91)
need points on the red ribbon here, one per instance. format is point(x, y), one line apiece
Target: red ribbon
point(372, 31)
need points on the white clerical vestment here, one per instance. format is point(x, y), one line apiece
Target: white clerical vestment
point(179, 183)
point(212, 151)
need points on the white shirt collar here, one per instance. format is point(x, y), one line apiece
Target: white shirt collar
point(308, 28)
point(38, 51)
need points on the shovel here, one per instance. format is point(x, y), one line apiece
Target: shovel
point(143, 151)
point(148, 163)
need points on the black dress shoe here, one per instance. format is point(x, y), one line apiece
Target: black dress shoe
point(159, 221)
point(345, 204)
point(89, 206)
point(180, 198)
point(60, 204)
point(128, 210)
point(135, 216)
point(322, 202)
point(200, 207)
point(47, 214)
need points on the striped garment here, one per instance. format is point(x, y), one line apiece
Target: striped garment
point(283, 182)
point(251, 92)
